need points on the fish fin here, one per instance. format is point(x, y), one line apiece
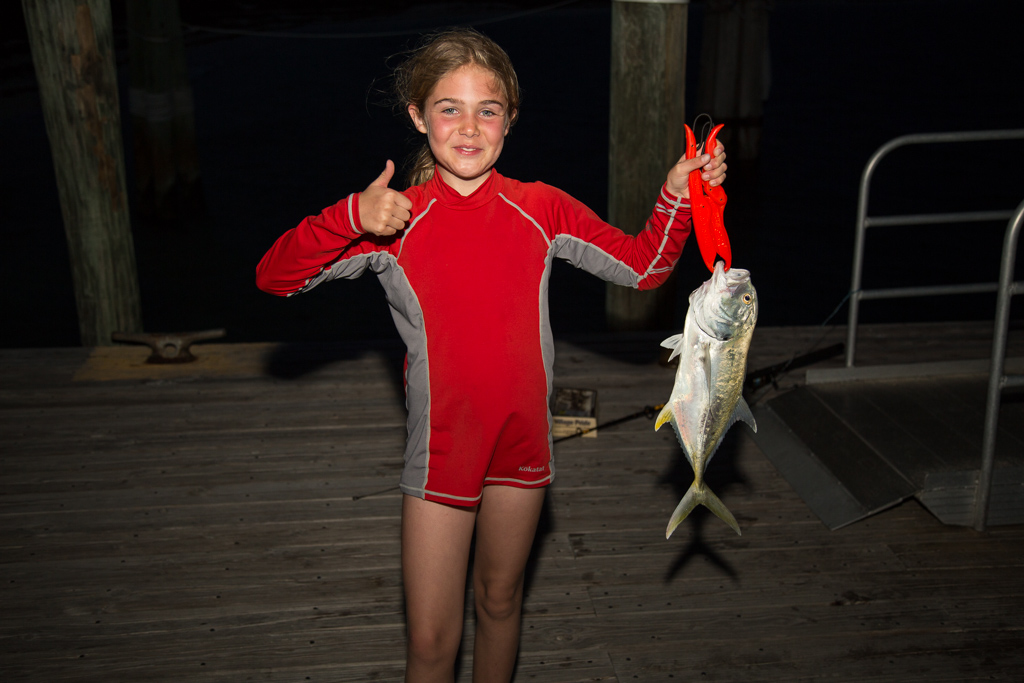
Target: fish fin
point(690, 500)
point(743, 414)
point(673, 343)
point(664, 416)
point(700, 496)
point(713, 503)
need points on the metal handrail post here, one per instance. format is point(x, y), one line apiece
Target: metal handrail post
point(862, 210)
point(858, 247)
point(996, 378)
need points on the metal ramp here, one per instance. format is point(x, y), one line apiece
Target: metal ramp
point(855, 441)
point(858, 440)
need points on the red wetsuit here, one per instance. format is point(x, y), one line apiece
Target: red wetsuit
point(467, 283)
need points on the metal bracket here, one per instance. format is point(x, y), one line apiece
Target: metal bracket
point(168, 347)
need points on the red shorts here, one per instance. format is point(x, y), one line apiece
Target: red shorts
point(473, 450)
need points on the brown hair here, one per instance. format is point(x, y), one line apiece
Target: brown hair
point(437, 56)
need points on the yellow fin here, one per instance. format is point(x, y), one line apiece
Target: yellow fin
point(664, 416)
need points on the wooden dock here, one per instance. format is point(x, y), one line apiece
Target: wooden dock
point(236, 519)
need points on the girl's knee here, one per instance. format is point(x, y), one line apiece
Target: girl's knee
point(499, 600)
point(434, 644)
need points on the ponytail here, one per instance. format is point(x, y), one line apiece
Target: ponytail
point(421, 166)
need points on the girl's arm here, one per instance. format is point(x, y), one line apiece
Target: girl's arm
point(302, 253)
point(337, 242)
point(646, 260)
point(643, 261)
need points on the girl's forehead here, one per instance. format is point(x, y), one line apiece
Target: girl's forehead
point(469, 79)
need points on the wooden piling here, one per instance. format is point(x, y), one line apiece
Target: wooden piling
point(73, 54)
point(648, 76)
point(163, 124)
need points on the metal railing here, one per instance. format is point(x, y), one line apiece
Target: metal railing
point(997, 380)
point(1005, 288)
point(857, 294)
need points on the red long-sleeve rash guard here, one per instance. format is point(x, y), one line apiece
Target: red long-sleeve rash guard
point(467, 283)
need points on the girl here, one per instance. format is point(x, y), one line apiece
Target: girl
point(464, 255)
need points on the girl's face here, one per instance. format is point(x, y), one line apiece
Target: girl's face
point(466, 120)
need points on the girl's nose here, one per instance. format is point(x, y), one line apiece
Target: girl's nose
point(468, 126)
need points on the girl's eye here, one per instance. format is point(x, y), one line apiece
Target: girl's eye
point(449, 110)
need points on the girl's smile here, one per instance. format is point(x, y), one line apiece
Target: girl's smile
point(466, 120)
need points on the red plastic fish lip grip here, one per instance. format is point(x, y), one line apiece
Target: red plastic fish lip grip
point(707, 204)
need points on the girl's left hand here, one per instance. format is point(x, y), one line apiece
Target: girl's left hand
point(712, 170)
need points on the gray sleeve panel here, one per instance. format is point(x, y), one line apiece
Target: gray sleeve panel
point(595, 261)
point(408, 317)
point(547, 350)
point(349, 268)
point(417, 402)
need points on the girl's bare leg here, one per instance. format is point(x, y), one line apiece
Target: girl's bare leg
point(505, 528)
point(435, 555)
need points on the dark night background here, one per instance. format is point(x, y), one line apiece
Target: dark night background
point(288, 125)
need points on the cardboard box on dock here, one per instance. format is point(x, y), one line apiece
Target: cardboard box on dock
point(574, 410)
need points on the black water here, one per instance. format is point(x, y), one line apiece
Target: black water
point(288, 125)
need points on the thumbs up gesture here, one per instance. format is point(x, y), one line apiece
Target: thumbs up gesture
point(383, 211)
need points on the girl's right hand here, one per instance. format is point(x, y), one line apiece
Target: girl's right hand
point(383, 211)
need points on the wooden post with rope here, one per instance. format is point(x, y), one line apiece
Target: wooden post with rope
point(648, 78)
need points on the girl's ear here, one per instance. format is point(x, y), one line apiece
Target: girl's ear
point(417, 119)
point(510, 120)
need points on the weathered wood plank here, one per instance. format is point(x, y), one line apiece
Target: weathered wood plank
point(205, 529)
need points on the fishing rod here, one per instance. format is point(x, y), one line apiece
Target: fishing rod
point(649, 412)
point(754, 381)
point(765, 376)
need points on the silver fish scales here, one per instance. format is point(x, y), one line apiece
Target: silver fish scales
point(707, 395)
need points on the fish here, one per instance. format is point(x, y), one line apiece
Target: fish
point(707, 397)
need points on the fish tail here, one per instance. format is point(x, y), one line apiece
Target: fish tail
point(685, 507)
point(700, 495)
point(712, 502)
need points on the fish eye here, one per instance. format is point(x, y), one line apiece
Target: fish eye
point(747, 298)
